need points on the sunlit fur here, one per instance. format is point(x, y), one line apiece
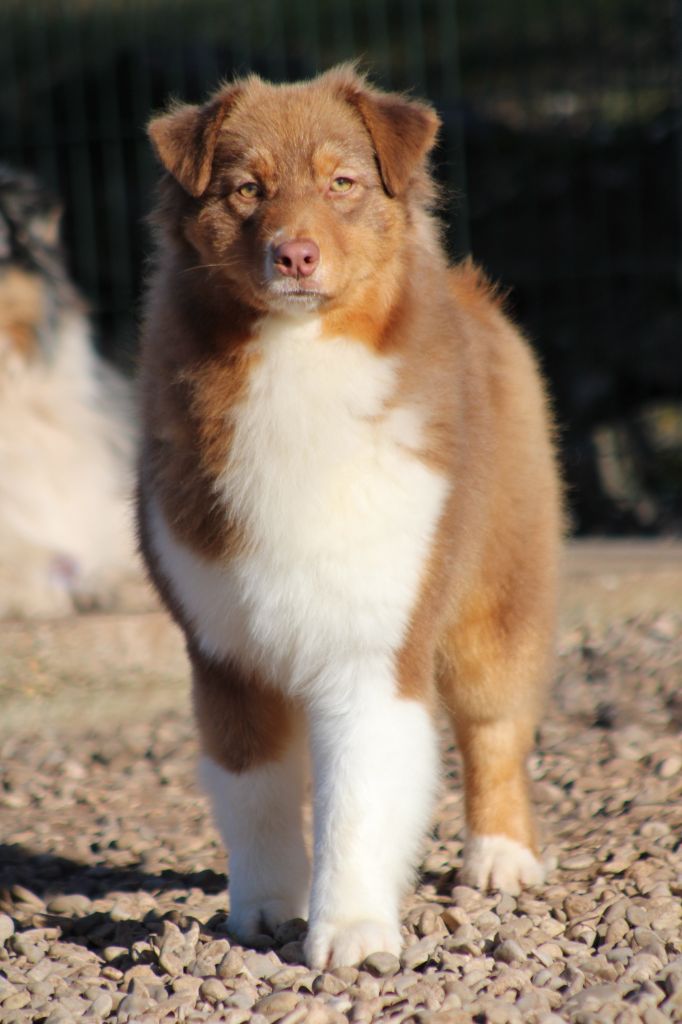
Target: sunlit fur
point(348, 499)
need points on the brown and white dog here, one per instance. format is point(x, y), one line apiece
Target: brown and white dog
point(67, 434)
point(348, 499)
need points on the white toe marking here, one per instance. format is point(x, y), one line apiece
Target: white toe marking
point(339, 944)
point(498, 862)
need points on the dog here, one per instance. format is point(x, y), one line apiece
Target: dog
point(67, 442)
point(348, 499)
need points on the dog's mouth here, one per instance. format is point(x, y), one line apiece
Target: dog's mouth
point(297, 297)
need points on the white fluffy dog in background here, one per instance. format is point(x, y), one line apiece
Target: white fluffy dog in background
point(67, 432)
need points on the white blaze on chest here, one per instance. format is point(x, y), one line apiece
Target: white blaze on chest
point(337, 509)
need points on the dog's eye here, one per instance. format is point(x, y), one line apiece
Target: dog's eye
point(249, 190)
point(341, 184)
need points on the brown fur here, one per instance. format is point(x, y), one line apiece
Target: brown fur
point(22, 309)
point(481, 632)
point(243, 724)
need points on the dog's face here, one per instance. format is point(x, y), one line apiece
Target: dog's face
point(297, 194)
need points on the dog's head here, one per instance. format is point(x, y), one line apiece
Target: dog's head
point(298, 194)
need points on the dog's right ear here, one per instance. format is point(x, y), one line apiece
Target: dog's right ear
point(185, 139)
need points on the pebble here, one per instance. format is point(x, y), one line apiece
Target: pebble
point(6, 928)
point(261, 965)
point(453, 917)
point(669, 767)
point(382, 965)
point(213, 990)
point(101, 1006)
point(73, 903)
point(509, 951)
point(418, 954)
point(292, 953)
point(276, 1005)
point(328, 984)
point(231, 965)
point(16, 1001)
point(636, 915)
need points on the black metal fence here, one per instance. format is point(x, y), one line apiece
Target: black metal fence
point(561, 153)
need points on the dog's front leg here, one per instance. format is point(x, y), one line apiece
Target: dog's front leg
point(258, 815)
point(374, 759)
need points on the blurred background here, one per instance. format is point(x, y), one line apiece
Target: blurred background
point(561, 156)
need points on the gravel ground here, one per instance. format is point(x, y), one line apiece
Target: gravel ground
point(112, 901)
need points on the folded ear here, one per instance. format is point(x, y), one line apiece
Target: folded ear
point(403, 132)
point(185, 139)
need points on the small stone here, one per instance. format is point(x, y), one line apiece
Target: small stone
point(70, 903)
point(506, 904)
point(548, 952)
point(111, 953)
point(23, 946)
point(201, 968)
point(213, 990)
point(453, 917)
point(428, 922)
point(418, 954)
point(59, 1015)
point(261, 965)
point(669, 766)
point(672, 982)
point(652, 1015)
point(170, 963)
point(285, 977)
point(382, 964)
point(464, 939)
point(301, 1013)
point(132, 1005)
point(23, 895)
point(235, 1016)
point(465, 897)
point(577, 862)
point(186, 983)
point(111, 973)
point(616, 911)
point(577, 905)
point(292, 953)
point(17, 1001)
point(231, 965)
point(276, 1004)
point(636, 915)
point(487, 923)
point(509, 952)
point(101, 1006)
point(6, 928)
point(348, 975)
point(290, 931)
point(328, 984)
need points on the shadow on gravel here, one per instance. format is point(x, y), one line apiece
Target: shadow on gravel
point(47, 875)
point(45, 891)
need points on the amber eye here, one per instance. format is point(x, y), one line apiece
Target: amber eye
point(341, 184)
point(249, 190)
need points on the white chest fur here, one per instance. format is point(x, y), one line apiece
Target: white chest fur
point(337, 508)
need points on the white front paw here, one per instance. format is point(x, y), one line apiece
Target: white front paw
point(498, 862)
point(347, 943)
point(252, 917)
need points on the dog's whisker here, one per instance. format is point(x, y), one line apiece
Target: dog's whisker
point(210, 266)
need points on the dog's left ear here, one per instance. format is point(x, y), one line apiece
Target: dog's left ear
point(403, 132)
point(185, 139)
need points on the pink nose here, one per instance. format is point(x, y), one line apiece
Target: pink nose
point(297, 259)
